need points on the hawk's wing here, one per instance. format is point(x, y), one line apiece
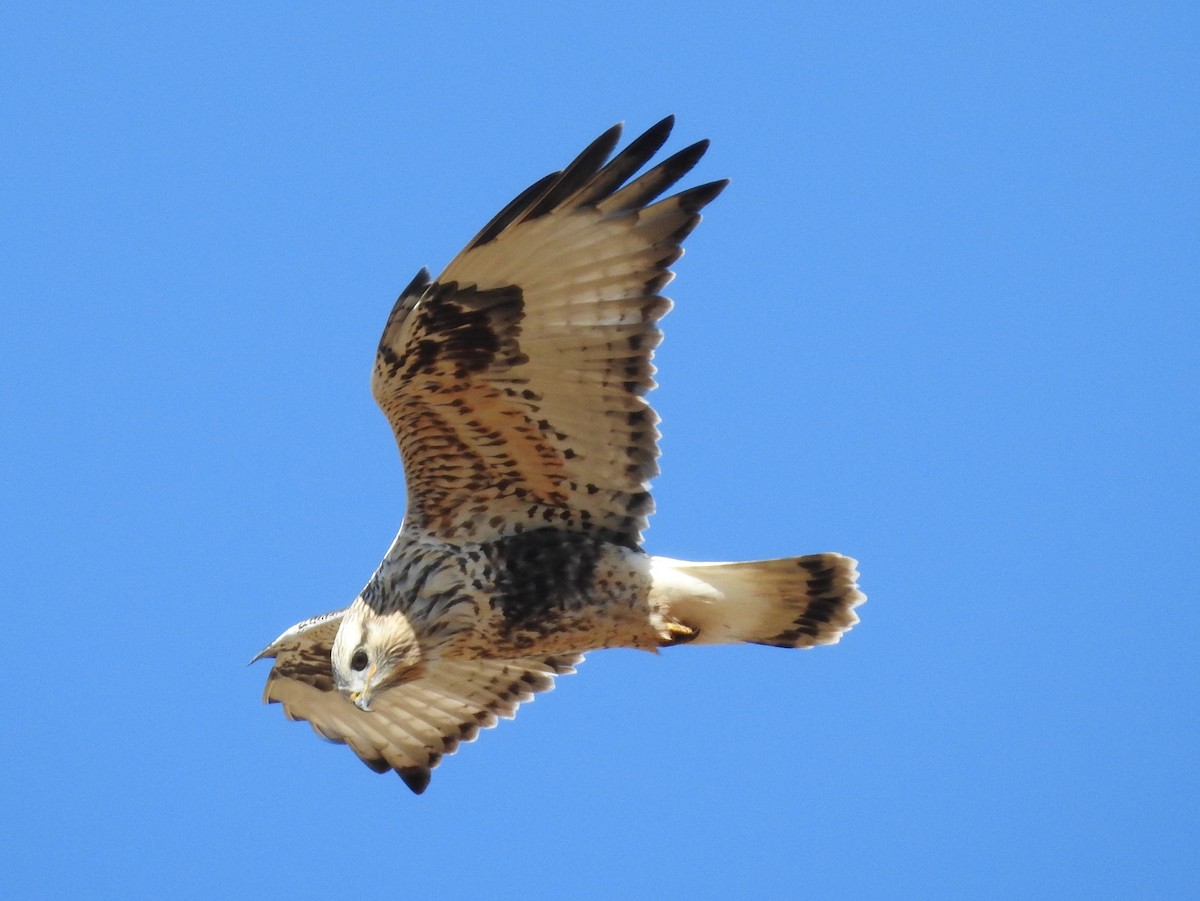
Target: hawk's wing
point(412, 726)
point(515, 383)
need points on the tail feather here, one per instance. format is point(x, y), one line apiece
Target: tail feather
point(794, 602)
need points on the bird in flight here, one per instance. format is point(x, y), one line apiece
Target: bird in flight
point(516, 386)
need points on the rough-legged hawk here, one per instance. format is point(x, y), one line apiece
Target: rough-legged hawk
point(516, 385)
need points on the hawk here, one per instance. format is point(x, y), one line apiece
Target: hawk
point(516, 386)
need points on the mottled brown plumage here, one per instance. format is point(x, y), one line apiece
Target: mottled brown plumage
point(515, 384)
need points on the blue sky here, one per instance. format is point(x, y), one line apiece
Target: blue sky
point(943, 320)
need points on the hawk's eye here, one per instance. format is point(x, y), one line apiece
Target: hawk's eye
point(358, 662)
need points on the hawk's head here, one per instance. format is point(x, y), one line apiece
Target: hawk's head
point(374, 651)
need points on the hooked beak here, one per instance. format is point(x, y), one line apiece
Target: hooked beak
point(362, 699)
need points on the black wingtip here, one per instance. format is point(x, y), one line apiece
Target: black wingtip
point(695, 199)
point(682, 162)
point(267, 652)
point(645, 188)
point(419, 283)
point(578, 173)
point(415, 777)
point(593, 156)
point(626, 163)
point(609, 138)
point(659, 131)
point(515, 208)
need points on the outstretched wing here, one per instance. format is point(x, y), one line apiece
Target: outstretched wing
point(516, 382)
point(412, 726)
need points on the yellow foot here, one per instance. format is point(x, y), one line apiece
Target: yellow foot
point(673, 633)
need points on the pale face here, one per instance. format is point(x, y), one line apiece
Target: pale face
point(373, 652)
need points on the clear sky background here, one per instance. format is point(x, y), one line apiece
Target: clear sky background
point(943, 320)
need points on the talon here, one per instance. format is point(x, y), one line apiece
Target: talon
point(674, 633)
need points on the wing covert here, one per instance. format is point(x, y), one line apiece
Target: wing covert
point(516, 382)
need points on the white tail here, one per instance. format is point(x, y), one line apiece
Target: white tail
point(794, 602)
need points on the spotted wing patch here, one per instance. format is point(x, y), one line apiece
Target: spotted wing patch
point(465, 439)
point(410, 727)
point(516, 382)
